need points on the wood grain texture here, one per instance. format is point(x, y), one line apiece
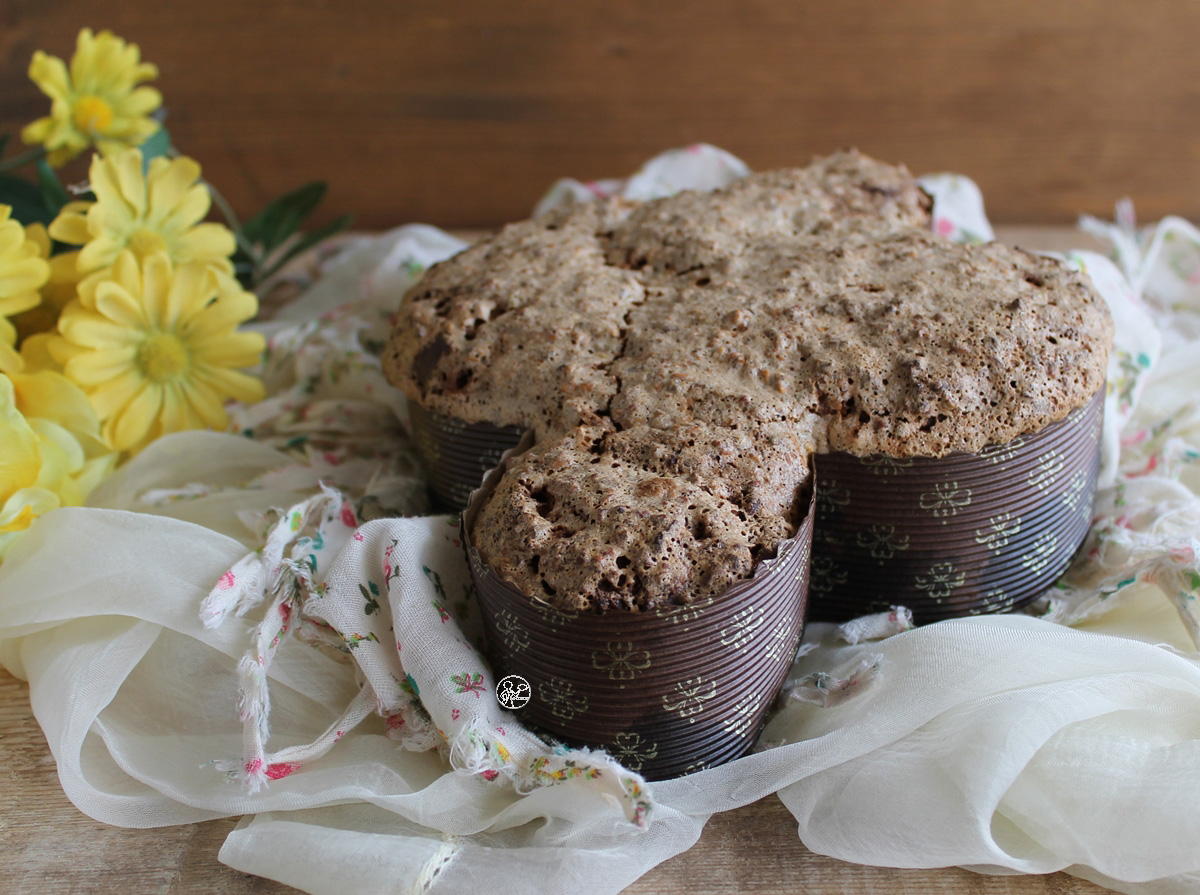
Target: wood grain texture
point(462, 114)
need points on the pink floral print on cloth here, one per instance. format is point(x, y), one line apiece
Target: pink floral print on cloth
point(395, 597)
point(1147, 517)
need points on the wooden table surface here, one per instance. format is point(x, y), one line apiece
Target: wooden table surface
point(47, 845)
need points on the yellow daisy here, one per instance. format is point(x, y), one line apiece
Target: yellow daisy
point(58, 290)
point(51, 454)
point(160, 212)
point(157, 348)
point(97, 102)
point(22, 273)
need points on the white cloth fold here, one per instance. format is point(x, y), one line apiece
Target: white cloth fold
point(1007, 744)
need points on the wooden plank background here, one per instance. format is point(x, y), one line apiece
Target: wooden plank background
point(462, 113)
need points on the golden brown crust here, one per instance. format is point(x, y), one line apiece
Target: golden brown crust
point(598, 519)
point(791, 312)
point(815, 295)
point(906, 346)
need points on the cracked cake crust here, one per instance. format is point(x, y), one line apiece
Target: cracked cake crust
point(813, 302)
point(643, 518)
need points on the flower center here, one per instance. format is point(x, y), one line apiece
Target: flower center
point(92, 114)
point(144, 243)
point(162, 357)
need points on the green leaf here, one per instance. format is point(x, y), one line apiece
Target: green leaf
point(4, 138)
point(307, 242)
point(271, 227)
point(157, 144)
point(53, 193)
point(26, 200)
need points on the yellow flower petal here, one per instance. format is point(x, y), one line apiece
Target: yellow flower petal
point(92, 330)
point(157, 292)
point(67, 151)
point(38, 131)
point(142, 101)
point(170, 183)
point(99, 254)
point(230, 309)
point(208, 242)
point(19, 282)
point(231, 383)
point(36, 235)
point(92, 369)
point(10, 360)
point(127, 271)
point(25, 505)
point(133, 425)
point(51, 396)
point(70, 227)
point(20, 460)
point(64, 269)
point(174, 416)
point(205, 403)
point(37, 353)
point(128, 167)
point(112, 395)
point(50, 75)
point(119, 306)
point(12, 236)
point(228, 349)
point(193, 289)
point(84, 59)
point(61, 456)
point(105, 180)
point(187, 211)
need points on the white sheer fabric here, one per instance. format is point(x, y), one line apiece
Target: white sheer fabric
point(1000, 743)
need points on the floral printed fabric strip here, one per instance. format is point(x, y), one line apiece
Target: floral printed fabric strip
point(395, 597)
point(1148, 509)
point(328, 401)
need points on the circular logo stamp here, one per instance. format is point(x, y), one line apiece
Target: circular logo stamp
point(513, 691)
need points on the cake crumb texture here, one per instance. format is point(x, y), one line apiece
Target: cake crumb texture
point(598, 519)
point(680, 360)
point(816, 295)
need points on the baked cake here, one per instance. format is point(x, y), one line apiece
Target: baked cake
point(602, 519)
point(681, 364)
point(817, 299)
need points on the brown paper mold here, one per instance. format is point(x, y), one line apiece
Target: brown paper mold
point(960, 535)
point(457, 454)
point(665, 691)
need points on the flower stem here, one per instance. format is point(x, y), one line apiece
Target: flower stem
point(235, 225)
point(24, 158)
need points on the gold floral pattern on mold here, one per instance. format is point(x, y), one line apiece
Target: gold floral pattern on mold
point(620, 660)
point(740, 630)
point(633, 750)
point(945, 500)
point(882, 541)
point(562, 699)
point(688, 697)
point(1040, 553)
point(940, 581)
point(999, 533)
